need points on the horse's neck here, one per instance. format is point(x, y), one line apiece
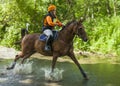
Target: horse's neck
point(66, 35)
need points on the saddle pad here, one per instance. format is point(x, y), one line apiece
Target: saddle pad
point(43, 37)
point(55, 35)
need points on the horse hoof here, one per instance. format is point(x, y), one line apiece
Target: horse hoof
point(86, 78)
point(9, 68)
point(2, 74)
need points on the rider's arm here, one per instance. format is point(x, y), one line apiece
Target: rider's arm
point(59, 23)
point(49, 21)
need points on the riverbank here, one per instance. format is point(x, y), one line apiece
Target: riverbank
point(83, 57)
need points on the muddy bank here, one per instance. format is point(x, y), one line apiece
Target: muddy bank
point(83, 56)
point(7, 53)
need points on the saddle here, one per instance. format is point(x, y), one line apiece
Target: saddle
point(43, 37)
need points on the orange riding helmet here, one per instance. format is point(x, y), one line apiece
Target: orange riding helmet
point(51, 7)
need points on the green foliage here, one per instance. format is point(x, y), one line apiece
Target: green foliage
point(102, 21)
point(10, 37)
point(104, 35)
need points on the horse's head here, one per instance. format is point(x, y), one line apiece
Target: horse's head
point(76, 28)
point(80, 31)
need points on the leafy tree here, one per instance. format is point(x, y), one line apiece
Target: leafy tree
point(102, 21)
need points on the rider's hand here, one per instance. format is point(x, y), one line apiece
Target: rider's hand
point(59, 24)
point(56, 24)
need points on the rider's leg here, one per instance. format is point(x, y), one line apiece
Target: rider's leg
point(49, 33)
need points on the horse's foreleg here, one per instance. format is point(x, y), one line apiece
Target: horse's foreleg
point(53, 65)
point(72, 56)
point(54, 62)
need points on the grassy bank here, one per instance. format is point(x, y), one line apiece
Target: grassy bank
point(104, 34)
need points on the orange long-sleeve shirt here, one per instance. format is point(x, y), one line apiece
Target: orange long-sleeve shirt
point(48, 21)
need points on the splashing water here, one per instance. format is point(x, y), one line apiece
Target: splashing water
point(23, 68)
point(55, 76)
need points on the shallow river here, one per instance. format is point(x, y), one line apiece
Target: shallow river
point(33, 74)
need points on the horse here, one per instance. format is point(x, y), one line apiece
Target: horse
point(62, 46)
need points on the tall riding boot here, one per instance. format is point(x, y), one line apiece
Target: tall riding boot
point(47, 45)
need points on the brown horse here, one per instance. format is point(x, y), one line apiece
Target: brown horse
point(62, 46)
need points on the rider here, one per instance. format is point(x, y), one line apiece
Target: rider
point(49, 25)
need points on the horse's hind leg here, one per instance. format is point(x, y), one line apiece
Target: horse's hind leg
point(27, 56)
point(15, 60)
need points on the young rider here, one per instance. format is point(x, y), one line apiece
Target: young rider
point(49, 25)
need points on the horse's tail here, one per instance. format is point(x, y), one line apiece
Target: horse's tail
point(23, 33)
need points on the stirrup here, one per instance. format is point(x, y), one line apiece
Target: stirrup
point(47, 48)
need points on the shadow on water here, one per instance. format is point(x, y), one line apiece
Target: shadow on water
point(99, 75)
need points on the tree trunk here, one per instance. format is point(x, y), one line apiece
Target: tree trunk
point(108, 7)
point(114, 8)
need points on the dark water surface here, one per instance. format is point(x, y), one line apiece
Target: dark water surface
point(99, 74)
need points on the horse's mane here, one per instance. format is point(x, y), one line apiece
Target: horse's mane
point(67, 24)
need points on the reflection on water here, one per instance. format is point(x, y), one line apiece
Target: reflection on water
point(33, 74)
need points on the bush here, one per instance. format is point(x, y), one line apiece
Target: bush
point(103, 34)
